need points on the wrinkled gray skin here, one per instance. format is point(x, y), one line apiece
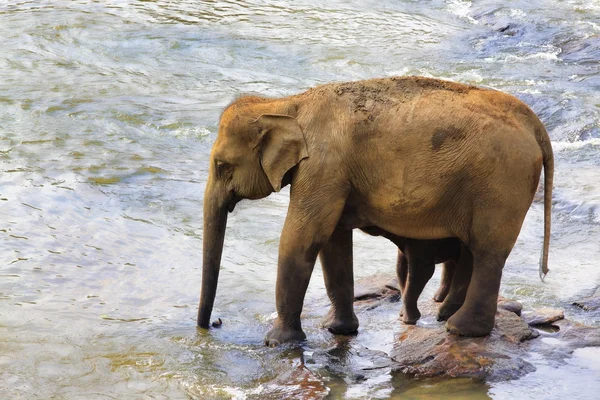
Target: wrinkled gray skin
point(413, 157)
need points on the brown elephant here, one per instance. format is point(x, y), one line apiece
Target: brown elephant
point(414, 270)
point(415, 266)
point(448, 268)
point(415, 157)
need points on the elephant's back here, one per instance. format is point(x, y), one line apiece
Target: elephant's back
point(435, 155)
point(367, 96)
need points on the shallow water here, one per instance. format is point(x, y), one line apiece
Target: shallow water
point(107, 114)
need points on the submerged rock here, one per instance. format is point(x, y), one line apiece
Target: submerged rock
point(297, 382)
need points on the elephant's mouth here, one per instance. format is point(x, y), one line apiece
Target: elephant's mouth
point(233, 203)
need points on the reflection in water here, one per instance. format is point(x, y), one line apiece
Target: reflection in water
point(107, 115)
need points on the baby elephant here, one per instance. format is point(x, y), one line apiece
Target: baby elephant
point(415, 266)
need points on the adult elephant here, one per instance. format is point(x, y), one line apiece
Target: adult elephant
point(413, 157)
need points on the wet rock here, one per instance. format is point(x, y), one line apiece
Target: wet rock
point(506, 28)
point(355, 361)
point(543, 316)
point(578, 335)
point(296, 383)
point(569, 336)
point(588, 304)
point(511, 327)
point(510, 305)
point(428, 351)
point(375, 287)
point(534, 334)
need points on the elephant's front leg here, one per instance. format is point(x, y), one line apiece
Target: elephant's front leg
point(293, 275)
point(307, 229)
point(337, 264)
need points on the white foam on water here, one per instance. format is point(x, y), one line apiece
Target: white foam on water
point(570, 146)
point(588, 358)
point(462, 9)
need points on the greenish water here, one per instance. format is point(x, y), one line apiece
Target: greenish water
point(107, 114)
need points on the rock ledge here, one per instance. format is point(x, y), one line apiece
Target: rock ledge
point(427, 350)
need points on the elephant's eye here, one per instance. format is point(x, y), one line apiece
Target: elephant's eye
point(223, 168)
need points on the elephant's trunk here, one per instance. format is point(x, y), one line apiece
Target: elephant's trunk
point(216, 201)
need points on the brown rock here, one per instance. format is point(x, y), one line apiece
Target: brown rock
point(430, 351)
point(375, 287)
point(511, 327)
point(511, 305)
point(427, 350)
point(578, 335)
point(568, 337)
point(543, 316)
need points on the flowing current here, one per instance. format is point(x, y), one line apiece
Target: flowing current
point(108, 110)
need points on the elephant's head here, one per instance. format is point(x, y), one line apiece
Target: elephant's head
point(255, 147)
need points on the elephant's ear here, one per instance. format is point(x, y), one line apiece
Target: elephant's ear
point(282, 146)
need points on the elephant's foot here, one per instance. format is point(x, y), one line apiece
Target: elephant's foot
point(280, 334)
point(464, 323)
point(410, 316)
point(441, 293)
point(447, 310)
point(340, 325)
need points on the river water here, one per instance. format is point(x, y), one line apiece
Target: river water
point(108, 110)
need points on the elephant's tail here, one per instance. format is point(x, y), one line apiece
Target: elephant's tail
point(548, 160)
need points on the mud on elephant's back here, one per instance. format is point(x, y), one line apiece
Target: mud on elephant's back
point(429, 351)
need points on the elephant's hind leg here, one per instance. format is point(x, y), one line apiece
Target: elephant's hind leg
point(420, 269)
point(336, 261)
point(458, 286)
point(477, 315)
point(402, 271)
point(491, 243)
point(448, 269)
